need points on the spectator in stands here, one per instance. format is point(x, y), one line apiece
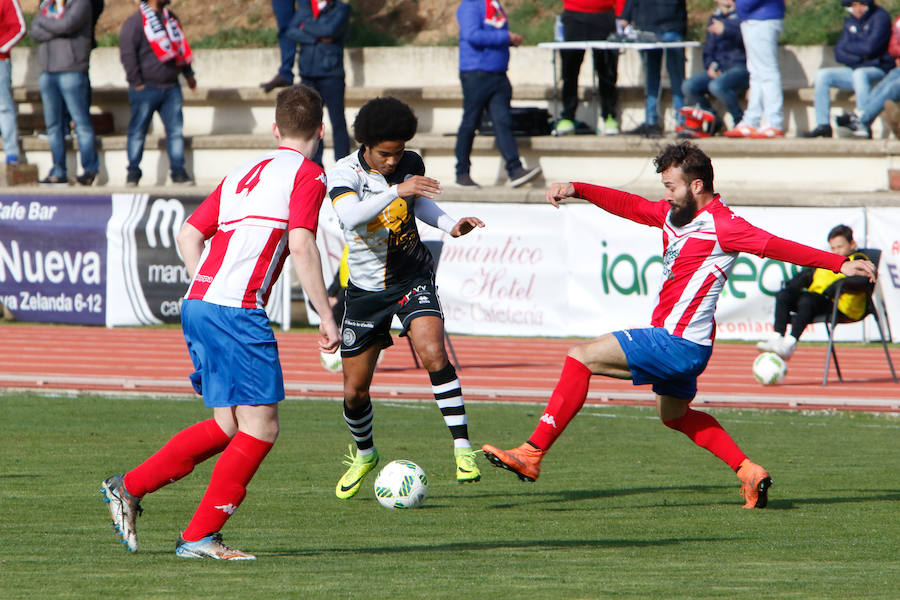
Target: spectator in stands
point(810, 294)
point(589, 20)
point(12, 28)
point(761, 24)
point(63, 29)
point(284, 14)
point(725, 72)
point(881, 97)
point(154, 52)
point(320, 27)
point(862, 49)
point(484, 41)
point(668, 20)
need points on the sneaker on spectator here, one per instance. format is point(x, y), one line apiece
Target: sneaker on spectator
point(844, 119)
point(741, 130)
point(12, 160)
point(824, 131)
point(180, 177)
point(86, 179)
point(857, 128)
point(276, 82)
point(648, 130)
point(521, 176)
point(564, 127)
point(466, 181)
point(767, 132)
point(892, 116)
point(133, 178)
point(611, 126)
point(53, 180)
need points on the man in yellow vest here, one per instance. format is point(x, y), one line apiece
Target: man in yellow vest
point(807, 295)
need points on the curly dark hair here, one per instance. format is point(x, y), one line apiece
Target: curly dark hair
point(694, 163)
point(382, 120)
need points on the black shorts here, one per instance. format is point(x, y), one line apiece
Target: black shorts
point(368, 315)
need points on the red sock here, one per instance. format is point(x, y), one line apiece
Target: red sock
point(705, 431)
point(177, 458)
point(227, 485)
point(565, 402)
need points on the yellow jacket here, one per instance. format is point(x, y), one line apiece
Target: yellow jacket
point(851, 303)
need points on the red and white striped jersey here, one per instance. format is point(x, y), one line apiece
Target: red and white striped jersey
point(248, 218)
point(698, 257)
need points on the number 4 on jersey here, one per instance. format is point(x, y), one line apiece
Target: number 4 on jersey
point(249, 181)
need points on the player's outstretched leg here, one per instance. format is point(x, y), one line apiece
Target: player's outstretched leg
point(524, 461)
point(448, 394)
point(210, 546)
point(755, 484)
point(123, 508)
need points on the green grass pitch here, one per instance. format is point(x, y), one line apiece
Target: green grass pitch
point(625, 508)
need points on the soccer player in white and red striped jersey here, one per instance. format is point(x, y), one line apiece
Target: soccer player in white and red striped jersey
point(702, 238)
point(234, 247)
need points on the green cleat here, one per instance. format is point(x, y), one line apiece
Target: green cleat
point(466, 469)
point(348, 486)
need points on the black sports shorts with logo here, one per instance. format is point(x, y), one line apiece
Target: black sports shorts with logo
point(368, 315)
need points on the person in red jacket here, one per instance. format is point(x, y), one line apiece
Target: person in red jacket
point(701, 238)
point(590, 20)
point(12, 28)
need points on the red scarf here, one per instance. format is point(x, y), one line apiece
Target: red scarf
point(166, 37)
point(494, 15)
point(317, 7)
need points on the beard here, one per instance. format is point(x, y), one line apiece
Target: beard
point(682, 215)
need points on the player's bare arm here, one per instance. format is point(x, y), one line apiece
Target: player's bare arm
point(465, 225)
point(859, 267)
point(308, 265)
point(419, 185)
point(190, 243)
point(559, 192)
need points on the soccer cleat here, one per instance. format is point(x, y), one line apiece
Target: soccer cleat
point(209, 547)
point(755, 484)
point(772, 344)
point(524, 461)
point(124, 509)
point(360, 465)
point(466, 469)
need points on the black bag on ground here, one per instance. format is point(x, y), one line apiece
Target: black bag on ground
point(525, 121)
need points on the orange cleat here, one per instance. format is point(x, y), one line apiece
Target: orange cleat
point(524, 461)
point(755, 484)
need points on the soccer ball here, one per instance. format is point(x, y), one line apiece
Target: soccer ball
point(401, 484)
point(331, 361)
point(769, 368)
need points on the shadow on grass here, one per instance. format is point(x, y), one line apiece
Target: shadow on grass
point(794, 503)
point(571, 495)
point(501, 544)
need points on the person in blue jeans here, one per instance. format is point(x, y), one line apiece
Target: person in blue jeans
point(12, 28)
point(725, 72)
point(668, 20)
point(284, 14)
point(862, 51)
point(320, 28)
point(882, 97)
point(154, 52)
point(762, 21)
point(64, 33)
point(484, 41)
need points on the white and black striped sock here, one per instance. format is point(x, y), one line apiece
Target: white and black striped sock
point(448, 393)
point(359, 421)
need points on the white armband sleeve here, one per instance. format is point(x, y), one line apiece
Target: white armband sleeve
point(353, 211)
point(429, 212)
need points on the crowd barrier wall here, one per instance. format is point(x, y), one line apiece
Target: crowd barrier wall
point(532, 271)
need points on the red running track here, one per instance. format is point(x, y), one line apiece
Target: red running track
point(155, 361)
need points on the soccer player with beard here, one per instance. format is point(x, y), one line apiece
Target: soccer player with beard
point(701, 240)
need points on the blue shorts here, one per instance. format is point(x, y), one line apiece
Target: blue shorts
point(234, 352)
point(671, 363)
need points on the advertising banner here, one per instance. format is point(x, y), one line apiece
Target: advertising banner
point(884, 234)
point(53, 258)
